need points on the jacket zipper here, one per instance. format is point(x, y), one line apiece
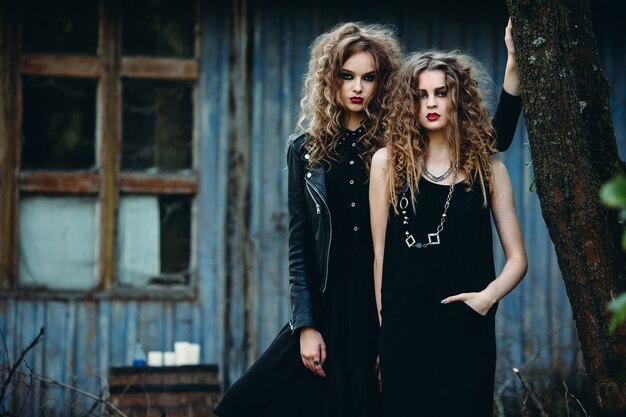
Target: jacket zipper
point(317, 206)
point(330, 225)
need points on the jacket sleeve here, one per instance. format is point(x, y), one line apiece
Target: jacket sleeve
point(300, 243)
point(505, 120)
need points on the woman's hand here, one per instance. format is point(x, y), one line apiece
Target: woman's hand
point(478, 301)
point(511, 76)
point(313, 350)
point(508, 38)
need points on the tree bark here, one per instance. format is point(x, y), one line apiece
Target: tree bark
point(574, 151)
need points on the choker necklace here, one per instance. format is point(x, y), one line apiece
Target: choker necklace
point(433, 177)
point(433, 238)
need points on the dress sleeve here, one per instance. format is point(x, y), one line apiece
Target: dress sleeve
point(300, 247)
point(505, 120)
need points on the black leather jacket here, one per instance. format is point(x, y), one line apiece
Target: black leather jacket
point(310, 232)
point(310, 228)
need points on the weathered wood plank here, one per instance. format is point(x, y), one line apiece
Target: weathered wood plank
point(145, 184)
point(66, 183)
point(117, 325)
point(10, 106)
point(161, 68)
point(109, 136)
point(213, 159)
point(85, 362)
point(61, 65)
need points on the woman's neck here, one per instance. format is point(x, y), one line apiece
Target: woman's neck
point(438, 148)
point(353, 122)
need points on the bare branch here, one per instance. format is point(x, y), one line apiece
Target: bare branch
point(567, 393)
point(529, 394)
point(36, 340)
point(81, 392)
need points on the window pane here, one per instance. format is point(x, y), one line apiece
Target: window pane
point(58, 242)
point(154, 240)
point(58, 123)
point(158, 28)
point(157, 125)
point(60, 26)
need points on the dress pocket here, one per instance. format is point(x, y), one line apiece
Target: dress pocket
point(472, 317)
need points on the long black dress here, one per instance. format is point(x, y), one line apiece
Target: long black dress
point(436, 359)
point(278, 385)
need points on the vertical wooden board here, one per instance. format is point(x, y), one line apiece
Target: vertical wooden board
point(103, 351)
point(256, 187)
point(267, 149)
point(213, 156)
point(85, 368)
point(132, 331)
point(182, 318)
point(59, 322)
point(9, 329)
point(20, 395)
point(197, 334)
point(170, 325)
point(10, 351)
point(150, 325)
point(117, 324)
point(40, 353)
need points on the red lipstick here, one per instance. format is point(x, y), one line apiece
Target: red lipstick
point(356, 100)
point(432, 116)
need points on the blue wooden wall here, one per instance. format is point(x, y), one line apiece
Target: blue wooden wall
point(253, 59)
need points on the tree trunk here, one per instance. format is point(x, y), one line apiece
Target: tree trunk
point(574, 151)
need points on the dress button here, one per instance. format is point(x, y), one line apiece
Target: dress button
point(307, 156)
point(356, 228)
point(351, 162)
point(353, 204)
point(354, 144)
point(351, 181)
point(308, 175)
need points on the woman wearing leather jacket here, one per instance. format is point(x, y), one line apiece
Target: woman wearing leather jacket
point(323, 362)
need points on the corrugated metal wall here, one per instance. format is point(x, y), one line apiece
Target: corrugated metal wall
point(253, 58)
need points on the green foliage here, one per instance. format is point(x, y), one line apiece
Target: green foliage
point(618, 308)
point(613, 194)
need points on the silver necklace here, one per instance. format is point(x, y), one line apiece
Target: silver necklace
point(432, 177)
point(433, 238)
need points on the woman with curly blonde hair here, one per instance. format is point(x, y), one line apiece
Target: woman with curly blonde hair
point(433, 190)
point(323, 362)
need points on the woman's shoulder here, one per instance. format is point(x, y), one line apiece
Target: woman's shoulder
point(380, 156)
point(379, 160)
point(296, 141)
point(497, 166)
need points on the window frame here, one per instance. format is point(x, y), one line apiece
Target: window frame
point(108, 183)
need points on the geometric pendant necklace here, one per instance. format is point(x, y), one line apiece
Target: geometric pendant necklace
point(433, 238)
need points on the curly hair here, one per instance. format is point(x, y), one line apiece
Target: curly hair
point(321, 112)
point(469, 131)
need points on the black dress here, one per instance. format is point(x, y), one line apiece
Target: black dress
point(438, 360)
point(278, 384)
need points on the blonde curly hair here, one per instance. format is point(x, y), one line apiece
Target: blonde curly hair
point(469, 131)
point(321, 112)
